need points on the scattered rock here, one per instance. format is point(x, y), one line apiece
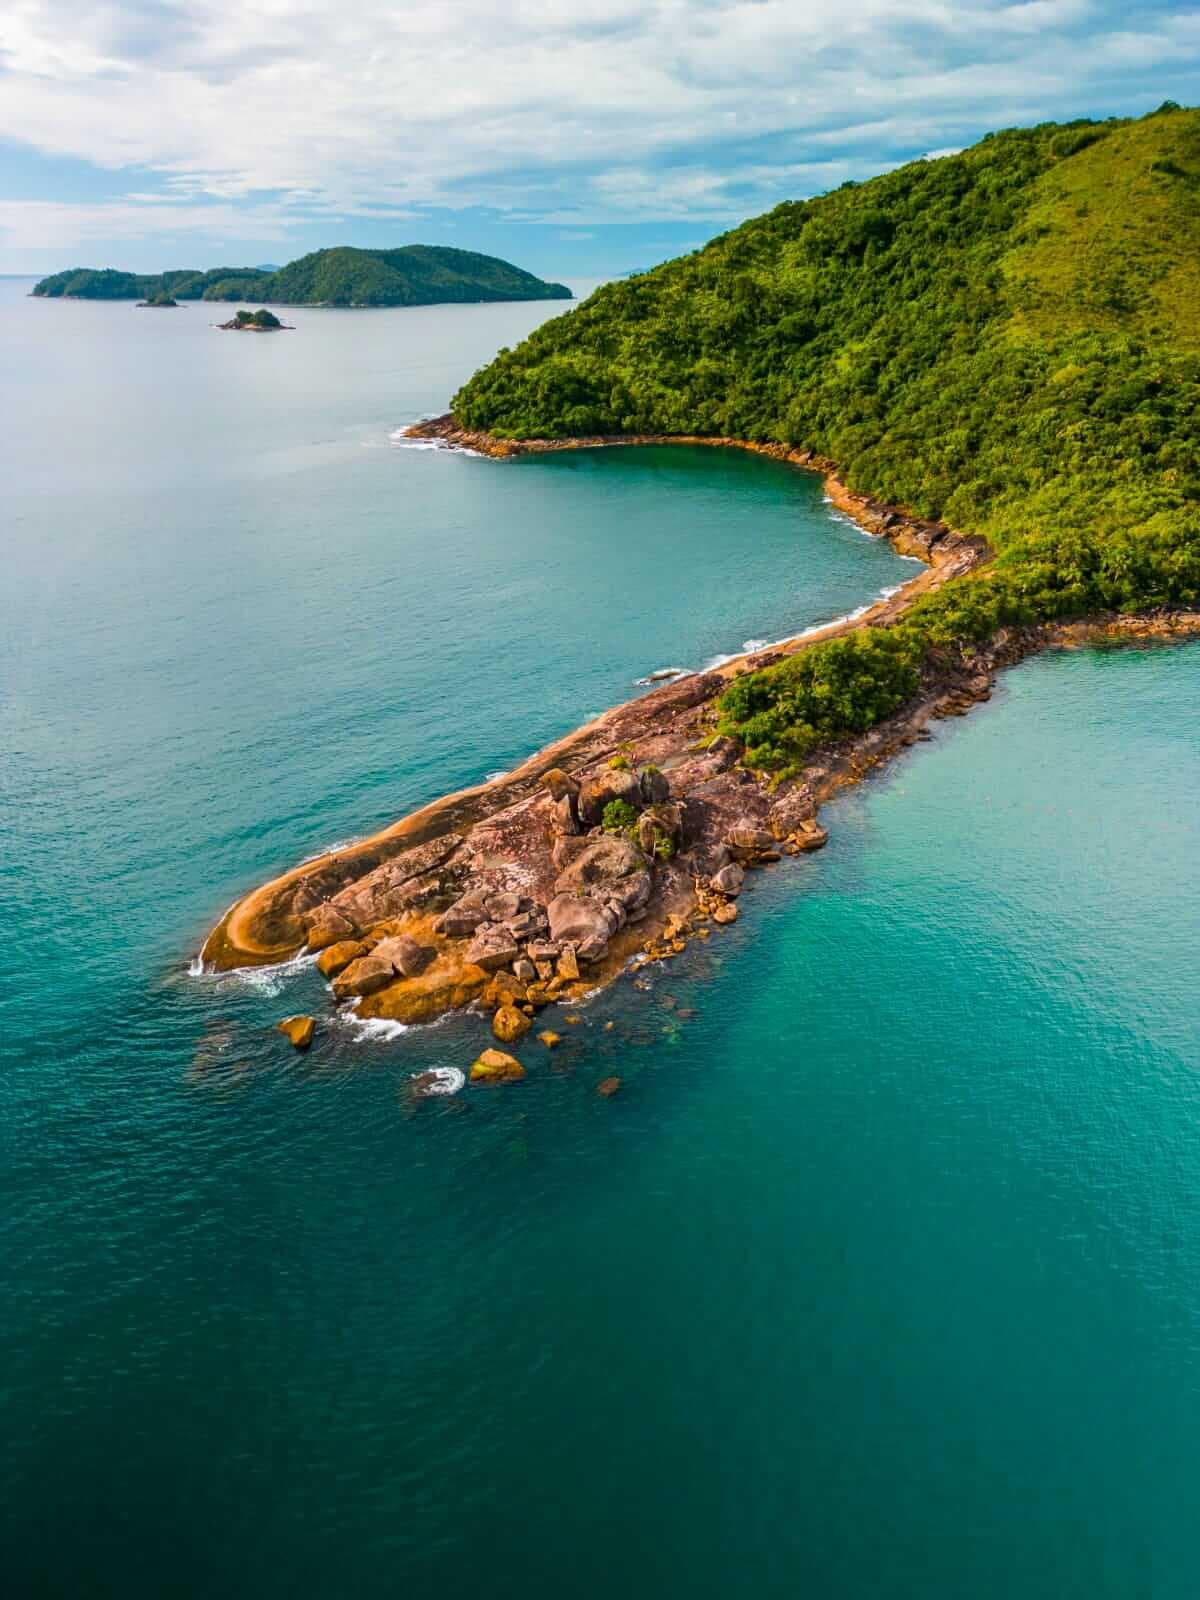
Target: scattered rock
point(298, 1029)
point(725, 914)
point(337, 957)
point(560, 784)
point(550, 1040)
point(500, 907)
point(543, 950)
point(406, 955)
point(809, 836)
point(493, 947)
point(508, 1024)
point(494, 1066)
point(568, 964)
point(730, 879)
point(791, 810)
point(326, 926)
point(599, 791)
point(525, 970)
point(581, 921)
point(747, 838)
point(463, 917)
point(505, 989)
point(654, 785)
point(607, 1087)
point(363, 976)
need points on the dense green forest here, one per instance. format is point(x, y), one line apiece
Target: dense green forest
point(1007, 338)
point(414, 275)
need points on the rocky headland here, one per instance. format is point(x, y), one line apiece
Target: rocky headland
point(617, 844)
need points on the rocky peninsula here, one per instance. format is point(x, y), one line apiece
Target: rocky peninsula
point(615, 845)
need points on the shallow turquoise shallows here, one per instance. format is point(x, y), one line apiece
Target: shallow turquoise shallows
point(879, 1279)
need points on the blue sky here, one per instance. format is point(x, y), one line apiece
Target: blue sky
point(569, 136)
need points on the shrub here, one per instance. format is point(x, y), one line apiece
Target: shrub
point(619, 816)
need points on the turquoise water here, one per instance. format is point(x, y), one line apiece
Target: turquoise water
point(881, 1275)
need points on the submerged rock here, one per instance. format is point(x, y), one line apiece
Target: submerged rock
point(607, 1087)
point(436, 1082)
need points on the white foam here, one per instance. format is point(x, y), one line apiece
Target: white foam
point(441, 1080)
point(266, 980)
point(364, 1029)
point(328, 850)
point(490, 777)
point(401, 438)
point(663, 675)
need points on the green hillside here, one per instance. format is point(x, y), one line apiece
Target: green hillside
point(413, 275)
point(1007, 338)
point(105, 283)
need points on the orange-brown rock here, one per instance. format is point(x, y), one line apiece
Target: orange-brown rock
point(299, 1030)
point(363, 977)
point(508, 1024)
point(494, 1066)
point(337, 957)
point(725, 914)
point(607, 1087)
point(326, 925)
point(550, 1039)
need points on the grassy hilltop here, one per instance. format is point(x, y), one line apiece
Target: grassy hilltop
point(413, 275)
point(1007, 338)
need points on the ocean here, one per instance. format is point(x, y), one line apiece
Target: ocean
point(880, 1277)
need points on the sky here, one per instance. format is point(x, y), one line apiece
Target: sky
point(570, 136)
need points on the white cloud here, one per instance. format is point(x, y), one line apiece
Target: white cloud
point(563, 109)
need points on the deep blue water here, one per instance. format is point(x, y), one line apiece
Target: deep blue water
point(881, 1275)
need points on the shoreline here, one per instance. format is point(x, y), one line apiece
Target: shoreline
point(520, 859)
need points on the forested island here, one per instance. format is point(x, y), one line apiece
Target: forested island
point(412, 275)
point(994, 358)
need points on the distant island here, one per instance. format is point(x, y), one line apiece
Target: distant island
point(414, 275)
point(254, 322)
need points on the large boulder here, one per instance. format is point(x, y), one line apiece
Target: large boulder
point(508, 1024)
point(660, 830)
point(327, 925)
point(729, 880)
point(463, 917)
point(614, 783)
point(563, 816)
point(791, 810)
point(654, 785)
point(581, 921)
point(406, 955)
point(560, 784)
point(494, 1066)
point(298, 1029)
point(604, 861)
point(363, 976)
point(747, 838)
point(337, 957)
point(492, 948)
